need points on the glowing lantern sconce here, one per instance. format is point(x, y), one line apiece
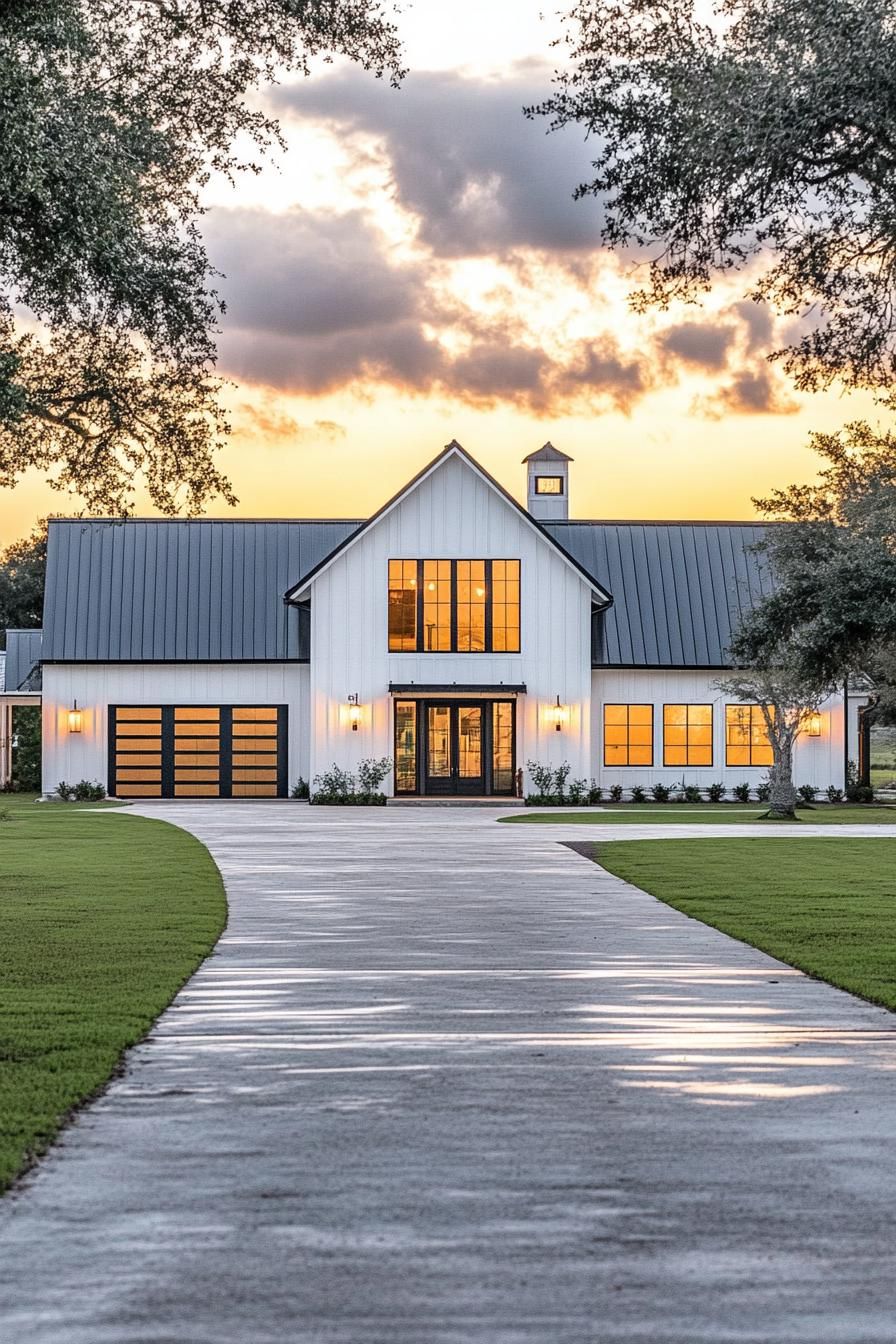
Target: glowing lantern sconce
point(354, 711)
point(813, 724)
point(559, 714)
point(74, 718)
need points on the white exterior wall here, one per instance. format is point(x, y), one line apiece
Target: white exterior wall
point(452, 514)
point(817, 760)
point(75, 756)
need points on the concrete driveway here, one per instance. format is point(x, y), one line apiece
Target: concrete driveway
point(447, 1082)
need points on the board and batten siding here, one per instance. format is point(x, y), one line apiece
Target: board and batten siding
point(817, 760)
point(451, 514)
point(75, 756)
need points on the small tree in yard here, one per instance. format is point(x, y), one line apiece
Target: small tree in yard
point(787, 702)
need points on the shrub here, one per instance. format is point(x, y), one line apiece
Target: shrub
point(834, 795)
point(807, 793)
point(595, 793)
point(741, 792)
point(561, 775)
point(716, 792)
point(300, 788)
point(337, 787)
point(639, 794)
point(577, 791)
point(691, 794)
point(542, 777)
point(661, 793)
point(615, 793)
point(856, 792)
point(372, 772)
point(85, 791)
point(26, 754)
point(763, 791)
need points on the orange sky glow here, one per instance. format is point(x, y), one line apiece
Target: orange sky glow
point(414, 270)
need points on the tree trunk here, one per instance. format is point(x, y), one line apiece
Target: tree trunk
point(783, 796)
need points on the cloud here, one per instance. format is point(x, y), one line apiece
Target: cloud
point(704, 345)
point(307, 273)
point(266, 423)
point(479, 177)
point(751, 391)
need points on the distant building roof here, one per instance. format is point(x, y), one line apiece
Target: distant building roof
point(23, 658)
point(212, 590)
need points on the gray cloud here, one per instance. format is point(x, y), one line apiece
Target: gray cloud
point(479, 176)
point(702, 344)
point(750, 391)
point(302, 273)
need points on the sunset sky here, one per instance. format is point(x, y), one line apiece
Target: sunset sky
point(414, 270)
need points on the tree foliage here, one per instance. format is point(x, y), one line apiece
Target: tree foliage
point(760, 138)
point(114, 114)
point(22, 570)
point(832, 614)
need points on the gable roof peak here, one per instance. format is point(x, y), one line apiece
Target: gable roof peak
point(548, 453)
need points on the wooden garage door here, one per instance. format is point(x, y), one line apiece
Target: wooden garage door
point(197, 751)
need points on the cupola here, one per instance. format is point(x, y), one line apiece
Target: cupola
point(547, 496)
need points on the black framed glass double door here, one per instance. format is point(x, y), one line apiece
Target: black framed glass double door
point(453, 747)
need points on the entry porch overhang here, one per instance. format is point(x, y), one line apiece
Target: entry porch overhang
point(411, 688)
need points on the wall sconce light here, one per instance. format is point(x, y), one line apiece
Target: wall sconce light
point(558, 713)
point(354, 711)
point(74, 718)
point(813, 724)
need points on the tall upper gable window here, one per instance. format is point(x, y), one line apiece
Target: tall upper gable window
point(454, 606)
point(549, 485)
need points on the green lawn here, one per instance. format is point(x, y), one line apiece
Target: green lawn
point(707, 814)
point(825, 905)
point(102, 919)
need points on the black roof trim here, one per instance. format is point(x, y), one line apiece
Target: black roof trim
point(456, 688)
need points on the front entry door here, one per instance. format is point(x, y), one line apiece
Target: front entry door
point(454, 761)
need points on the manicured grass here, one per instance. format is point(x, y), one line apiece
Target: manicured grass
point(102, 919)
point(826, 905)
point(710, 814)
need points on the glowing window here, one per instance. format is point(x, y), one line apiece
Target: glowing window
point(628, 734)
point(549, 485)
point(402, 605)
point(746, 736)
point(454, 606)
point(687, 735)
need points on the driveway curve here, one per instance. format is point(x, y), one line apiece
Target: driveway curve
point(447, 1082)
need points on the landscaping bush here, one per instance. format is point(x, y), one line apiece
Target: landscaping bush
point(639, 795)
point(689, 793)
point(808, 793)
point(834, 795)
point(337, 787)
point(741, 792)
point(595, 793)
point(300, 788)
point(661, 793)
point(550, 786)
point(85, 791)
point(616, 793)
point(763, 791)
point(856, 792)
point(716, 792)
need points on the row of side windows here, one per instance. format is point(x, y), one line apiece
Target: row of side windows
point(687, 735)
point(454, 606)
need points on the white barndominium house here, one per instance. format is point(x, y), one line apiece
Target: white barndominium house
point(455, 632)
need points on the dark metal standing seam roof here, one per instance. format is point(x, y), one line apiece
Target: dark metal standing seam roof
point(212, 590)
point(197, 590)
point(679, 589)
point(23, 658)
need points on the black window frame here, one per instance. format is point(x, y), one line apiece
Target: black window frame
point(550, 494)
point(489, 608)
